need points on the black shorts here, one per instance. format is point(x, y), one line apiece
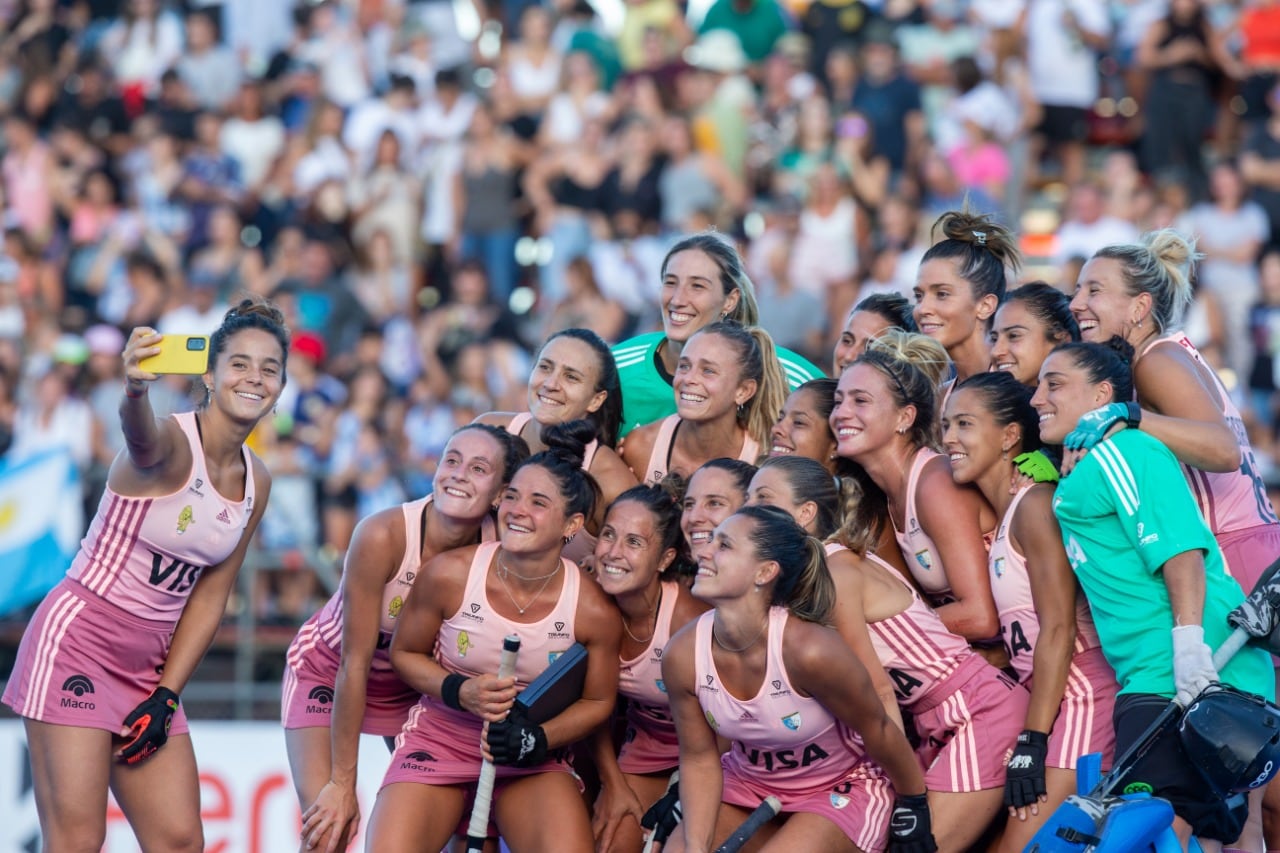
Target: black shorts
point(1166, 772)
point(1064, 124)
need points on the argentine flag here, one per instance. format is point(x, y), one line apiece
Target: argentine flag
point(41, 523)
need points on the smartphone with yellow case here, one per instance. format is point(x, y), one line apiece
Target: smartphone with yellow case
point(187, 355)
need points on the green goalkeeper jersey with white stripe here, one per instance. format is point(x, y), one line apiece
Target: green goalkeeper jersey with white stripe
point(1125, 511)
point(646, 393)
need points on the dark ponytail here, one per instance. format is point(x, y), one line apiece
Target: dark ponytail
point(566, 450)
point(1110, 362)
point(804, 585)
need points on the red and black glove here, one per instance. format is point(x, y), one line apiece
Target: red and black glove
point(148, 726)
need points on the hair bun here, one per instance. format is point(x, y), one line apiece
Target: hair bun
point(569, 440)
point(1120, 347)
point(247, 306)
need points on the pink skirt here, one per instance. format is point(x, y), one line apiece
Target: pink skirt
point(86, 662)
point(441, 746)
point(308, 690)
point(1084, 723)
point(968, 733)
point(860, 804)
point(1249, 552)
point(648, 749)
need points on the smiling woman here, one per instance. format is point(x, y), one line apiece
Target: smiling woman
point(727, 387)
point(574, 378)
point(447, 645)
point(185, 494)
point(344, 649)
point(702, 282)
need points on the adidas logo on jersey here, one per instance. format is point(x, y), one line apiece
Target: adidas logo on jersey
point(224, 516)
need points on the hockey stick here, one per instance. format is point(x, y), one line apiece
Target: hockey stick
point(764, 813)
point(478, 827)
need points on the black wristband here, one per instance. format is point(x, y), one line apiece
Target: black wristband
point(449, 690)
point(1134, 420)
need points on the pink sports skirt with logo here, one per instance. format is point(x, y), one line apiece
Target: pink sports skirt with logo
point(969, 726)
point(646, 749)
point(441, 746)
point(86, 662)
point(860, 804)
point(308, 690)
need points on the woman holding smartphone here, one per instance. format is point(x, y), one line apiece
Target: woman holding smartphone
point(144, 596)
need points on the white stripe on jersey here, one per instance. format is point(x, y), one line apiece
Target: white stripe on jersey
point(1118, 476)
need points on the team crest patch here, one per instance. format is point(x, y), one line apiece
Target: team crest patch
point(792, 721)
point(464, 643)
point(551, 656)
point(925, 559)
point(661, 685)
point(393, 609)
point(185, 519)
point(999, 567)
point(839, 801)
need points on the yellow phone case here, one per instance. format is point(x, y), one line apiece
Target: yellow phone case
point(187, 355)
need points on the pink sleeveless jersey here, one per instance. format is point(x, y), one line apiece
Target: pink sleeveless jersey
point(326, 626)
point(917, 651)
point(583, 544)
point(145, 554)
point(1011, 589)
point(661, 454)
point(470, 641)
point(640, 678)
point(789, 741)
point(917, 548)
point(1230, 501)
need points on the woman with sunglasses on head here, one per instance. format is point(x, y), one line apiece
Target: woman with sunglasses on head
point(885, 420)
point(1151, 570)
point(960, 284)
point(102, 663)
point(727, 388)
point(1045, 623)
point(715, 491)
point(703, 282)
point(639, 563)
point(965, 713)
point(448, 643)
point(574, 378)
point(866, 322)
point(339, 682)
point(762, 671)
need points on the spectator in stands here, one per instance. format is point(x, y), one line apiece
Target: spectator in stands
point(1230, 231)
point(209, 67)
point(485, 188)
point(889, 99)
point(1260, 164)
point(141, 45)
point(1088, 227)
point(1063, 41)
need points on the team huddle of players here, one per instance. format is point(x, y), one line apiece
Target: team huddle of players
point(903, 600)
point(869, 595)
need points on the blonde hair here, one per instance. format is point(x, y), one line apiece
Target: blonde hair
point(1160, 264)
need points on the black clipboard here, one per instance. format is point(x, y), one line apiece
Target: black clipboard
point(558, 687)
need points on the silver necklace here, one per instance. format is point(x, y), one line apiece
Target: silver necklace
point(502, 573)
point(728, 648)
point(652, 611)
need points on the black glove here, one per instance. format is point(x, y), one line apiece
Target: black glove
point(1024, 777)
point(664, 815)
point(909, 828)
point(517, 742)
point(148, 725)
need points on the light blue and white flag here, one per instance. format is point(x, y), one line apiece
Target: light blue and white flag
point(41, 524)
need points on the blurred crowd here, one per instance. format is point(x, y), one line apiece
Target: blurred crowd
point(428, 188)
